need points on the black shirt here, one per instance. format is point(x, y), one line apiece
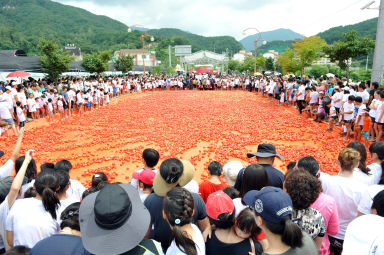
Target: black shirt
point(214, 246)
point(275, 177)
point(162, 231)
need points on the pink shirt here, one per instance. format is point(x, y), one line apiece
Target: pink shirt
point(327, 206)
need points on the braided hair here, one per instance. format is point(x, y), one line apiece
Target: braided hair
point(178, 207)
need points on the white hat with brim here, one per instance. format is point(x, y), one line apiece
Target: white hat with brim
point(231, 170)
point(109, 240)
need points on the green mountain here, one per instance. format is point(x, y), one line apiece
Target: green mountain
point(281, 34)
point(218, 44)
point(366, 28)
point(24, 22)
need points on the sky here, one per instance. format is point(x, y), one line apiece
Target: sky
point(230, 17)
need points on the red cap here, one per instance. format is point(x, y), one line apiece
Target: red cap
point(146, 176)
point(219, 203)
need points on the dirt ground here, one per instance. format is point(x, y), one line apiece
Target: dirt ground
point(199, 126)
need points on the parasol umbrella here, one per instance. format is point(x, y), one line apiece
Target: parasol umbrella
point(18, 74)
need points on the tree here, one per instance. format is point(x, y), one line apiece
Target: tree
point(156, 69)
point(96, 62)
point(308, 50)
point(124, 63)
point(351, 46)
point(171, 70)
point(233, 65)
point(269, 64)
point(318, 70)
point(288, 61)
point(54, 60)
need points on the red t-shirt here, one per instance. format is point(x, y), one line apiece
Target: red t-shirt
point(206, 188)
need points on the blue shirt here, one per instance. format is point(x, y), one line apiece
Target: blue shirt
point(60, 244)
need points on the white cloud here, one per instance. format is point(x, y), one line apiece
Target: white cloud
point(228, 17)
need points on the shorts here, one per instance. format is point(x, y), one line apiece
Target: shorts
point(337, 110)
point(9, 121)
point(22, 124)
point(349, 121)
point(373, 119)
point(334, 117)
point(379, 124)
point(270, 94)
point(366, 135)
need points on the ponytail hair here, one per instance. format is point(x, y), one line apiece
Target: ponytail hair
point(47, 183)
point(290, 232)
point(178, 207)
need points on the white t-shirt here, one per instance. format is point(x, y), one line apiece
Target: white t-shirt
point(347, 193)
point(20, 114)
point(362, 177)
point(75, 191)
point(30, 222)
point(314, 97)
point(199, 243)
point(337, 96)
point(6, 169)
point(4, 210)
point(367, 198)
point(302, 92)
point(365, 235)
point(376, 171)
point(379, 110)
point(364, 95)
point(348, 108)
point(63, 205)
point(5, 114)
point(372, 111)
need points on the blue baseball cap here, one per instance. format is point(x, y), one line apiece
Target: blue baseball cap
point(271, 203)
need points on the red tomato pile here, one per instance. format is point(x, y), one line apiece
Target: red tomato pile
point(200, 126)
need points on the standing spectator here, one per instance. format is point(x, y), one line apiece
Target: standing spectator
point(114, 221)
point(178, 209)
point(265, 155)
point(324, 203)
point(214, 183)
point(362, 172)
point(173, 172)
point(150, 158)
point(273, 209)
point(365, 234)
point(304, 189)
point(33, 219)
point(224, 240)
point(76, 189)
point(68, 240)
point(346, 191)
point(145, 179)
point(231, 170)
point(6, 114)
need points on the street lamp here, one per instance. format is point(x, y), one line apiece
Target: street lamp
point(142, 37)
point(259, 38)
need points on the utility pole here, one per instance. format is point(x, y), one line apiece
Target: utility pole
point(378, 58)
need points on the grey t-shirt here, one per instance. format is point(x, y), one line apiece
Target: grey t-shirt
point(309, 248)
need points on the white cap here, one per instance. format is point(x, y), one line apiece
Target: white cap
point(231, 170)
point(365, 235)
point(8, 88)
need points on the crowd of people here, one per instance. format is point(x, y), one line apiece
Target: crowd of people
point(356, 107)
point(240, 209)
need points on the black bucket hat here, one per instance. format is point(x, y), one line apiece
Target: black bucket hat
point(265, 150)
point(113, 220)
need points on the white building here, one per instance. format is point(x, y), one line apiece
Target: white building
point(327, 61)
point(271, 54)
point(241, 55)
point(149, 58)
